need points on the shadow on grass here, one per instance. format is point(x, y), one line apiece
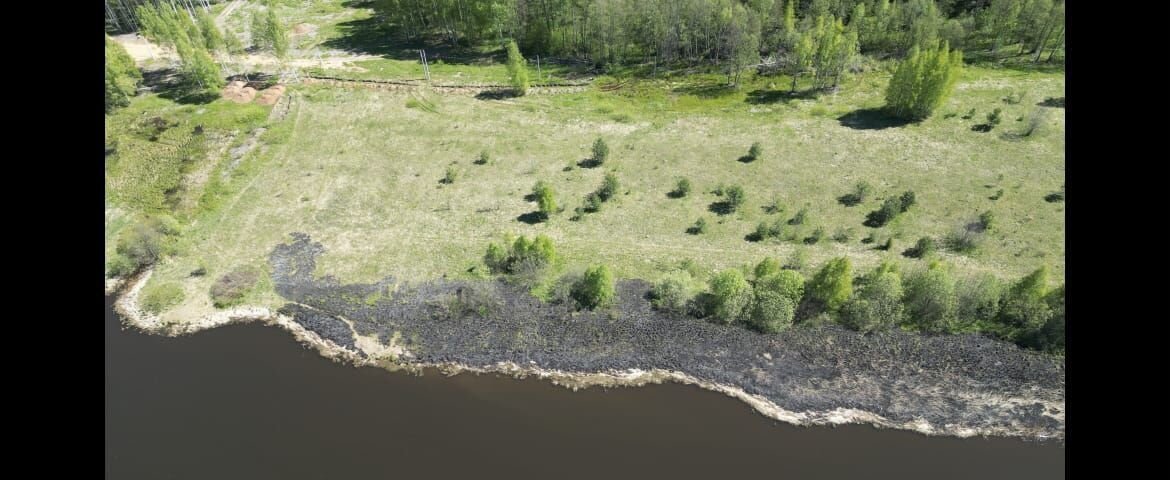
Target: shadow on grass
point(694, 230)
point(1052, 102)
point(589, 163)
point(981, 128)
point(849, 199)
point(721, 207)
point(168, 83)
point(746, 159)
point(532, 218)
point(675, 194)
point(871, 119)
point(717, 90)
point(764, 97)
point(498, 94)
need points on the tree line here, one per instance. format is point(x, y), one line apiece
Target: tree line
point(728, 32)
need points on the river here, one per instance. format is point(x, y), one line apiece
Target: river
point(248, 401)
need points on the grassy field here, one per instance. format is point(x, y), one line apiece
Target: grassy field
point(360, 170)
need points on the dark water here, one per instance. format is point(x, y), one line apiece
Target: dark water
point(247, 401)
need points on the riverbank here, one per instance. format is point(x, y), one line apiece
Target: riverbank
point(937, 385)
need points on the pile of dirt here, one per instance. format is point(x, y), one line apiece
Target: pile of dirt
point(271, 95)
point(239, 92)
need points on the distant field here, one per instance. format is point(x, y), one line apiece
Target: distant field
point(359, 171)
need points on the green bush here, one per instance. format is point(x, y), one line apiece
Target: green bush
point(538, 252)
point(674, 291)
point(232, 287)
point(735, 197)
point(979, 299)
point(843, 235)
point(159, 297)
point(546, 202)
point(731, 295)
point(788, 283)
point(483, 159)
point(833, 284)
point(877, 306)
point(596, 288)
point(755, 151)
point(800, 218)
point(609, 187)
point(817, 235)
point(931, 301)
point(768, 266)
point(699, 227)
point(771, 312)
point(924, 248)
point(600, 151)
point(994, 118)
point(120, 266)
point(451, 175)
point(986, 220)
point(1024, 305)
point(682, 188)
point(145, 241)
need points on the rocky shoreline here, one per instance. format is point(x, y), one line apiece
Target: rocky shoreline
point(956, 385)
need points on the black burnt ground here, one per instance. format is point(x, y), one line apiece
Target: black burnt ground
point(956, 380)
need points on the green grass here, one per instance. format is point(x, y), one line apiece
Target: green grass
point(157, 297)
point(360, 170)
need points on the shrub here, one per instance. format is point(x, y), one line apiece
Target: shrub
point(513, 255)
point(682, 188)
point(147, 240)
point(800, 217)
point(890, 209)
point(931, 301)
point(596, 288)
point(1024, 306)
point(451, 175)
point(833, 284)
point(609, 187)
point(925, 247)
point(735, 197)
point(843, 235)
point(546, 202)
point(860, 193)
point(817, 235)
point(877, 306)
point(699, 227)
point(994, 118)
point(906, 201)
point(986, 220)
point(788, 283)
point(538, 189)
point(674, 291)
point(517, 69)
point(593, 202)
point(774, 206)
point(755, 151)
point(923, 80)
point(979, 299)
point(483, 159)
point(797, 261)
point(120, 266)
point(771, 312)
point(159, 297)
point(731, 295)
point(600, 151)
point(232, 287)
point(767, 267)
point(966, 238)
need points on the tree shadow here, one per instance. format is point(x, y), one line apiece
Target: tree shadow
point(589, 163)
point(532, 218)
point(849, 199)
point(675, 194)
point(694, 230)
point(871, 119)
point(746, 159)
point(497, 94)
point(981, 128)
point(169, 83)
point(1052, 102)
point(764, 97)
point(717, 90)
point(721, 207)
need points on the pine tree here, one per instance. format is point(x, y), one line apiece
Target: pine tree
point(122, 76)
point(260, 34)
point(517, 69)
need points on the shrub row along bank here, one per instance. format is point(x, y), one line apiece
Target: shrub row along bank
point(898, 375)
